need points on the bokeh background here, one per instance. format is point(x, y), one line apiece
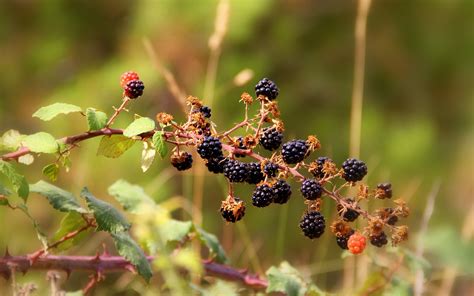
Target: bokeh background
point(417, 125)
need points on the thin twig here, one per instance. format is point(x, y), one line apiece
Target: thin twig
point(126, 100)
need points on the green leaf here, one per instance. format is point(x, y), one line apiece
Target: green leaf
point(159, 143)
point(107, 217)
point(39, 233)
point(129, 196)
point(71, 222)
point(174, 230)
point(11, 140)
point(51, 171)
point(212, 243)
point(114, 146)
point(285, 279)
point(49, 112)
point(139, 126)
point(60, 199)
point(19, 182)
point(130, 250)
point(148, 155)
point(4, 191)
point(96, 120)
point(41, 143)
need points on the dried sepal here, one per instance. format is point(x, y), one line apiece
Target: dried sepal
point(313, 143)
point(375, 226)
point(363, 192)
point(232, 209)
point(246, 98)
point(384, 190)
point(340, 228)
point(272, 107)
point(314, 205)
point(164, 118)
point(401, 209)
point(399, 234)
point(193, 101)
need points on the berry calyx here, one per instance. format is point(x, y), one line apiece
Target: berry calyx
point(356, 243)
point(311, 189)
point(239, 143)
point(313, 224)
point(236, 171)
point(341, 240)
point(347, 214)
point(282, 192)
point(354, 170)
point(384, 190)
point(128, 76)
point(317, 169)
point(267, 88)
point(294, 151)
point(262, 196)
point(255, 174)
point(134, 89)
point(378, 240)
point(271, 138)
point(232, 209)
point(210, 147)
point(182, 160)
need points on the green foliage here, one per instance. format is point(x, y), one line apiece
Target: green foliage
point(286, 279)
point(18, 181)
point(148, 155)
point(71, 222)
point(11, 140)
point(174, 230)
point(139, 126)
point(41, 143)
point(96, 120)
point(51, 171)
point(218, 288)
point(129, 196)
point(107, 217)
point(129, 249)
point(212, 243)
point(60, 199)
point(114, 146)
point(160, 144)
point(49, 112)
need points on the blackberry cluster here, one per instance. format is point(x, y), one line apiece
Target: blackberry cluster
point(318, 172)
point(282, 192)
point(270, 169)
point(354, 170)
point(210, 147)
point(341, 240)
point(206, 111)
point(267, 88)
point(313, 224)
point(379, 240)
point(232, 210)
point(271, 138)
point(262, 196)
point(294, 151)
point(311, 189)
point(134, 89)
point(216, 165)
point(182, 161)
point(255, 174)
point(236, 171)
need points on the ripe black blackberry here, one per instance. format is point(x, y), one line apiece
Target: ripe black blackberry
point(182, 161)
point(270, 169)
point(210, 147)
point(294, 151)
point(216, 165)
point(341, 240)
point(267, 88)
point(311, 189)
point(134, 89)
point(206, 111)
point(232, 209)
point(384, 190)
point(318, 171)
point(354, 170)
point(255, 174)
point(379, 240)
point(347, 214)
point(240, 144)
point(271, 138)
point(236, 171)
point(282, 192)
point(262, 196)
point(313, 224)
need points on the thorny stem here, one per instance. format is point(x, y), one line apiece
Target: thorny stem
point(126, 100)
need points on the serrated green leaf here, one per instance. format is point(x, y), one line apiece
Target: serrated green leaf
point(139, 126)
point(130, 250)
point(129, 196)
point(26, 159)
point(71, 222)
point(4, 191)
point(114, 146)
point(49, 112)
point(96, 120)
point(18, 181)
point(159, 143)
point(59, 199)
point(41, 143)
point(148, 155)
point(174, 230)
point(212, 243)
point(11, 140)
point(285, 279)
point(51, 171)
point(107, 217)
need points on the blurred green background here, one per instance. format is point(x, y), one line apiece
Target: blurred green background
point(417, 119)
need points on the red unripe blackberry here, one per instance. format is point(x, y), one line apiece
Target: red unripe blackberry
point(384, 190)
point(270, 169)
point(182, 161)
point(206, 111)
point(262, 196)
point(342, 240)
point(210, 147)
point(282, 192)
point(294, 151)
point(318, 173)
point(128, 76)
point(379, 240)
point(216, 165)
point(267, 88)
point(356, 243)
point(354, 170)
point(134, 89)
point(271, 138)
point(313, 224)
point(311, 189)
point(255, 174)
point(236, 171)
point(232, 210)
